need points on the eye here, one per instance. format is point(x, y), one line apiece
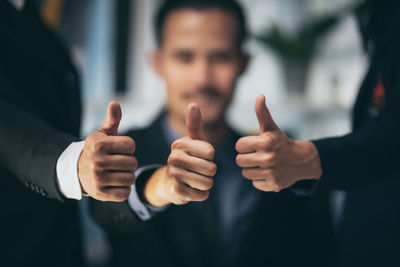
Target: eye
point(184, 57)
point(222, 57)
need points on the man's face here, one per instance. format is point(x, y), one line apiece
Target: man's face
point(200, 60)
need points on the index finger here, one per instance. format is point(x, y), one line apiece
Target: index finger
point(123, 145)
point(246, 144)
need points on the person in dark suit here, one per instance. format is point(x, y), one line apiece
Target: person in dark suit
point(364, 162)
point(40, 113)
point(190, 205)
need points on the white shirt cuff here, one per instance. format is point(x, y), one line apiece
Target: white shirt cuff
point(144, 211)
point(67, 171)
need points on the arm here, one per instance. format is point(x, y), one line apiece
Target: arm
point(30, 150)
point(186, 177)
point(370, 154)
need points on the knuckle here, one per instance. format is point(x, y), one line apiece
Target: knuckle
point(245, 173)
point(238, 160)
point(174, 158)
point(131, 178)
point(265, 142)
point(212, 169)
point(210, 153)
point(177, 144)
point(98, 162)
point(208, 184)
point(238, 145)
point(204, 196)
point(132, 145)
point(100, 145)
point(172, 172)
point(272, 159)
point(267, 160)
point(134, 163)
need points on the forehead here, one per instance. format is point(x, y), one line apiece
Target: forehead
point(200, 27)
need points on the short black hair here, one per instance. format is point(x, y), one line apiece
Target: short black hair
point(230, 6)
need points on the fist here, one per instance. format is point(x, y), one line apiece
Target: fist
point(106, 164)
point(188, 174)
point(270, 159)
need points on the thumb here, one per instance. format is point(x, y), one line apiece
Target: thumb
point(112, 119)
point(264, 117)
point(194, 122)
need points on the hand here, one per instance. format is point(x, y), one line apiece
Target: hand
point(106, 164)
point(188, 175)
point(272, 160)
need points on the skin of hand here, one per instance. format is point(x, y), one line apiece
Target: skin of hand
point(188, 174)
point(106, 164)
point(273, 161)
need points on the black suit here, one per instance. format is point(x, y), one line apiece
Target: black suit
point(39, 118)
point(280, 229)
point(366, 161)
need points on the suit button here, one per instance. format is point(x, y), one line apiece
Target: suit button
point(42, 192)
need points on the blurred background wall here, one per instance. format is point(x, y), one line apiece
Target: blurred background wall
point(307, 59)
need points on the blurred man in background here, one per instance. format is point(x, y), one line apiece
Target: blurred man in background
point(364, 162)
point(190, 205)
point(39, 154)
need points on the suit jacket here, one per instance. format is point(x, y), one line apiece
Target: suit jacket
point(39, 118)
point(281, 230)
point(366, 161)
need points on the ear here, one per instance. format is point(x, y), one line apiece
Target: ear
point(244, 62)
point(154, 59)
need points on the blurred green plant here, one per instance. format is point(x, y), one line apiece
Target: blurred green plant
point(302, 45)
point(296, 51)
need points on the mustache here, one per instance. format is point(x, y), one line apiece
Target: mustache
point(206, 92)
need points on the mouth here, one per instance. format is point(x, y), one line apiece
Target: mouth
point(207, 94)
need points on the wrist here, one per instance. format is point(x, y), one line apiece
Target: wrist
point(154, 192)
point(309, 160)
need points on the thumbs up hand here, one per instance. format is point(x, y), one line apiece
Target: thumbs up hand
point(272, 160)
point(188, 174)
point(106, 164)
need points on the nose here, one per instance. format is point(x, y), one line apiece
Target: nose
point(202, 74)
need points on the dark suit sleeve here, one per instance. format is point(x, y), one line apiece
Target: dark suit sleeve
point(29, 148)
point(121, 218)
point(369, 154)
